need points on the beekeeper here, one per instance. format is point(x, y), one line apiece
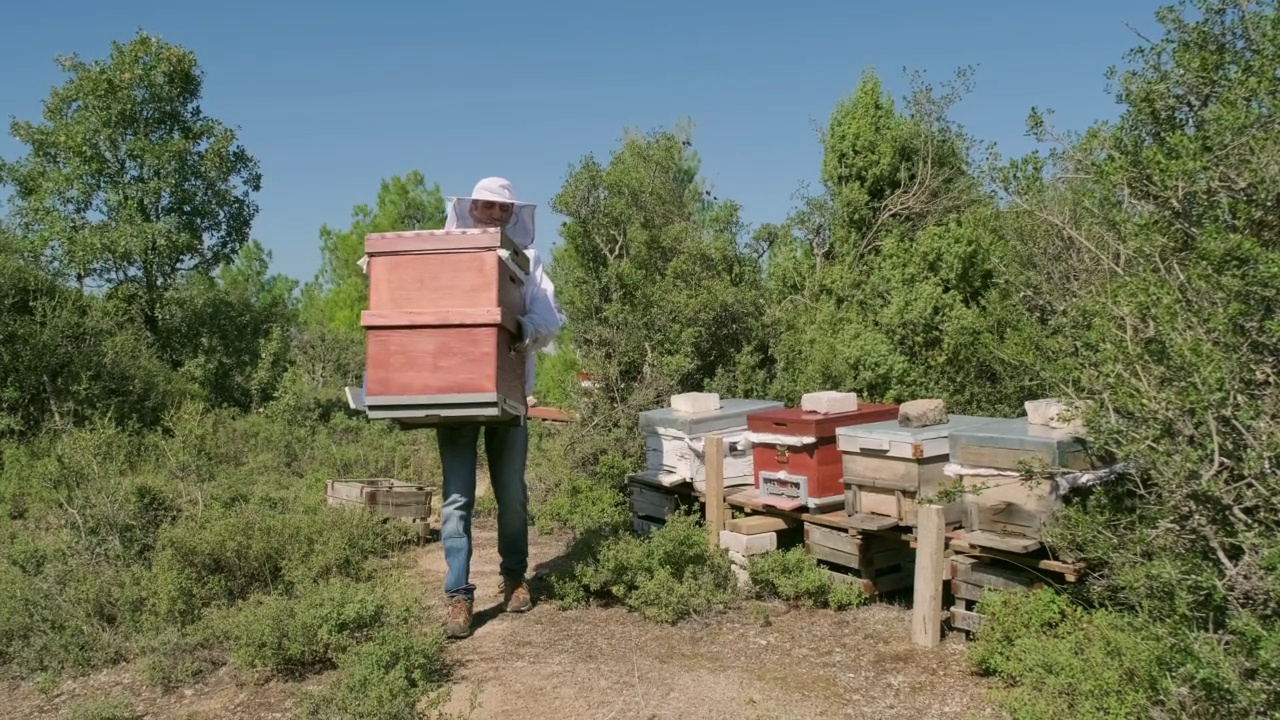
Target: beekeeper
point(492, 203)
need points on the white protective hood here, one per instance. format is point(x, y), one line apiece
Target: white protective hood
point(520, 228)
point(457, 213)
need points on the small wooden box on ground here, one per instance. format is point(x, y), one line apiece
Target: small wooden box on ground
point(997, 498)
point(675, 441)
point(887, 468)
point(385, 498)
point(442, 325)
point(972, 576)
point(881, 563)
point(795, 457)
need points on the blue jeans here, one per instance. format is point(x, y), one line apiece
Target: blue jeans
point(506, 447)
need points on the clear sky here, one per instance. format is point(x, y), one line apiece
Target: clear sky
point(332, 97)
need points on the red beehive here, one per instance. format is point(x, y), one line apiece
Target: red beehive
point(812, 474)
point(442, 325)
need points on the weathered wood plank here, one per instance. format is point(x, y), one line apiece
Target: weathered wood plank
point(716, 510)
point(1008, 543)
point(926, 609)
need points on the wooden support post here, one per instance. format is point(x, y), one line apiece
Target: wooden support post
point(713, 454)
point(926, 606)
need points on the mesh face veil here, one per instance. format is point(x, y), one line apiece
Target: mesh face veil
point(519, 225)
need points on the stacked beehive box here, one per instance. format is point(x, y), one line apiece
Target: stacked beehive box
point(385, 498)
point(442, 326)
point(889, 465)
point(1002, 509)
point(674, 438)
point(651, 502)
point(797, 462)
point(880, 563)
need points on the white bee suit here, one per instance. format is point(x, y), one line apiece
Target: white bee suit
point(542, 319)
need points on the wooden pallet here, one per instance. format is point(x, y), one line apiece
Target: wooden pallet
point(883, 564)
point(973, 575)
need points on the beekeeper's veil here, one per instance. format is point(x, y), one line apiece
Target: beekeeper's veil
point(519, 228)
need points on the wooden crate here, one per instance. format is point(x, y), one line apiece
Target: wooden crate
point(809, 474)
point(386, 498)
point(441, 326)
point(1007, 503)
point(972, 576)
point(888, 467)
point(881, 563)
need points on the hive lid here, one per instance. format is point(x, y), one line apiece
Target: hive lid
point(1016, 434)
point(731, 413)
point(453, 240)
point(892, 431)
point(795, 421)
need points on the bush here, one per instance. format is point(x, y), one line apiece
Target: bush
point(1055, 658)
point(383, 679)
point(792, 575)
point(187, 547)
point(295, 635)
point(670, 575)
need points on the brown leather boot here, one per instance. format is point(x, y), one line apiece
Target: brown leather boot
point(515, 594)
point(457, 622)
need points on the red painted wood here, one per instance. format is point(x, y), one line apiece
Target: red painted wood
point(820, 462)
point(443, 361)
point(442, 315)
point(794, 421)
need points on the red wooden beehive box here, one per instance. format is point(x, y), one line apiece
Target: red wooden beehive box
point(442, 324)
point(812, 474)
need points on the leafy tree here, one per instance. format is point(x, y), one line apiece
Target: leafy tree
point(1167, 219)
point(340, 290)
point(127, 185)
point(660, 294)
point(236, 327)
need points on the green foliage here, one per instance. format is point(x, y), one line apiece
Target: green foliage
point(1057, 660)
point(128, 185)
point(671, 575)
point(792, 575)
point(294, 636)
point(1175, 343)
point(209, 540)
point(382, 679)
point(340, 290)
point(660, 295)
point(113, 708)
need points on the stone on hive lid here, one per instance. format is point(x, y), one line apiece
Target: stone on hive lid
point(922, 413)
point(695, 402)
point(829, 402)
point(1052, 412)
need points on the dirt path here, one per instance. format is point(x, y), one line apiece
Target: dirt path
point(608, 664)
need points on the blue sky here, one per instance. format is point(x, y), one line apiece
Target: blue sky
point(332, 97)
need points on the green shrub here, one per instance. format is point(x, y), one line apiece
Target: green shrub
point(1055, 658)
point(792, 575)
point(668, 576)
point(221, 556)
point(293, 636)
point(103, 709)
point(383, 679)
